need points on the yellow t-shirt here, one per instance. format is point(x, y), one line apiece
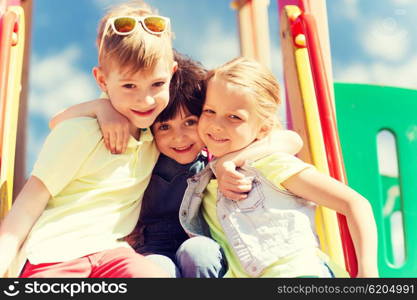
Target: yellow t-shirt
point(95, 195)
point(276, 168)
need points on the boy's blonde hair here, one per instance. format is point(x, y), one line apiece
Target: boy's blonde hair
point(258, 81)
point(137, 50)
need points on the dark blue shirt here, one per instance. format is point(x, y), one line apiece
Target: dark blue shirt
point(159, 226)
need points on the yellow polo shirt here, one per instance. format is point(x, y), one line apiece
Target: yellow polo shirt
point(95, 195)
point(276, 168)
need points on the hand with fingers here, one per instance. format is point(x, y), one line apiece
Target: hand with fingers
point(114, 127)
point(232, 184)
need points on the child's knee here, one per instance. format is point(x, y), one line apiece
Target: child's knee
point(200, 257)
point(199, 246)
point(165, 263)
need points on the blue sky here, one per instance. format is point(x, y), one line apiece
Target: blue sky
point(371, 42)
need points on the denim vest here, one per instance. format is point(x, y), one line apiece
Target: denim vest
point(270, 224)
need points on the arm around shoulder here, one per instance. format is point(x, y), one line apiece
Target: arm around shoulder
point(232, 183)
point(283, 140)
point(278, 140)
point(85, 109)
point(114, 126)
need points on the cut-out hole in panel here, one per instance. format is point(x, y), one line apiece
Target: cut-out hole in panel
point(391, 191)
point(397, 238)
point(387, 154)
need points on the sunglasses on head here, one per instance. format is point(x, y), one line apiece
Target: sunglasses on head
point(125, 25)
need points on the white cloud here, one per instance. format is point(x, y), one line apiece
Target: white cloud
point(400, 75)
point(356, 73)
point(107, 3)
point(218, 47)
point(403, 2)
point(397, 75)
point(386, 39)
point(348, 9)
point(57, 83)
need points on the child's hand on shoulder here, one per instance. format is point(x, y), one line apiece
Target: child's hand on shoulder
point(114, 126)
point(232, 184)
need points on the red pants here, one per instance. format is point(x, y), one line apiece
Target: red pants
point(115, 263)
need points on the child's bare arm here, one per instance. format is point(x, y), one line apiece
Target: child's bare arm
point(114, 126)
point(85, 109)
point(278, 140)
point(233, 184)
point(326, 191)
point(28, 206)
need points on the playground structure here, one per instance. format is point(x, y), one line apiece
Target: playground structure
point(14, 37)
point(339, 123)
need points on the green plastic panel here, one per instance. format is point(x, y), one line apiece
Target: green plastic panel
point(362, 112)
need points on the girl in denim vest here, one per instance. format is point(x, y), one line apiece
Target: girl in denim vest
point(272, 232)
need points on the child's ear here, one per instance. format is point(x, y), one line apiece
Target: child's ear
point(264, 131)
point(100, 78)
point(174, 67)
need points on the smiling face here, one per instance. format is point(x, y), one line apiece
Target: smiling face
point(178, 138)
point(141, 96)
point(229, 121)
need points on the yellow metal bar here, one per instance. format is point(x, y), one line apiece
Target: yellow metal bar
point(317, 148)
point(20, 157)
point(326, 219)
point(11, 116)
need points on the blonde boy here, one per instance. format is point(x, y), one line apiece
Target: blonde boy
point(80, 200)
